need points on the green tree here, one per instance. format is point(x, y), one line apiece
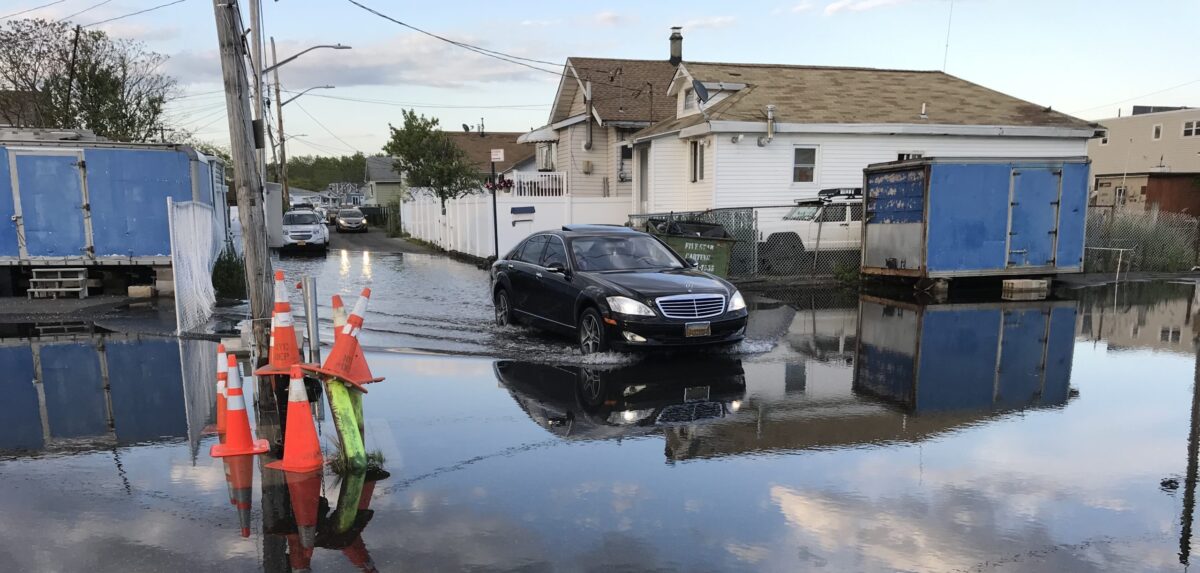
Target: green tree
point(52, 78)
point(315, 173)
point(429, 159)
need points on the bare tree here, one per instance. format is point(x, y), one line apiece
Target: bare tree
point(56, 76)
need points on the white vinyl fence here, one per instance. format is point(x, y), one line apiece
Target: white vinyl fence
point(466, 227)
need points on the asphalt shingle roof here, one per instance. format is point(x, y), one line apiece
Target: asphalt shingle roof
point(379, 169)
point(619, 88)
point(812, 94)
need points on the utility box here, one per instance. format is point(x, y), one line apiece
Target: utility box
point(941, 358)
point(959, 217)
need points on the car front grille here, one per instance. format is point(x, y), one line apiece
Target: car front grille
point(691, 305)
point(301, 236)
point(692, 412)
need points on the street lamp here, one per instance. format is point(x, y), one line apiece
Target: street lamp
point(286, 101)
point(276, 66)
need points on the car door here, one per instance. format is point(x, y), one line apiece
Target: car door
point(521, 274)
point(560, 290)
point(829, 232)
point(854, 229)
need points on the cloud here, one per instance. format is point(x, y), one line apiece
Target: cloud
point(710, 22)
point(540, 23)
point(858, 5)
point(609, 18)
point(405, 59)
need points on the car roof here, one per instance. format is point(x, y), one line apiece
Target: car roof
point(579, 230)
point(291, 211)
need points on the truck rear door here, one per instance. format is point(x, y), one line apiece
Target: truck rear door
point(1033, 216)
point(52, 205)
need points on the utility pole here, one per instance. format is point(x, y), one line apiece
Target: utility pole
point(260, 153)
point(71, 76)
point(247, 178)
point(285, 198)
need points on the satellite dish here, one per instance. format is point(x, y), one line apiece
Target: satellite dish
point(701, 91)
point(466, 128)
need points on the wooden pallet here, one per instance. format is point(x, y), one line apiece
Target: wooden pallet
point(53, 282)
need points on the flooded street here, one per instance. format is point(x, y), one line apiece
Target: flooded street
point(847, 434)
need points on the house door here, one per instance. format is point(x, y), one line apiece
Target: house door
point(1033, 216)
point(643, 176)
point(50, 192)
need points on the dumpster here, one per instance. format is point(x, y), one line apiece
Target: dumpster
point(708, 244)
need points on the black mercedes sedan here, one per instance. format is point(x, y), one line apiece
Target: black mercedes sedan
point(613, 287)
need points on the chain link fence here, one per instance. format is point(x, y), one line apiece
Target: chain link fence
point(1137, 240)
point(774, 243)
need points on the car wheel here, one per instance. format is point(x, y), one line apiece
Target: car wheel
point(503, 308)
point(591, 333)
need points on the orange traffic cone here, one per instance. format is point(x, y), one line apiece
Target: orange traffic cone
point(285, 350)
point(298, 557)
point(340, 363)
point(222, 382)
point(238, 439)
point(357, 553)
point(241, 469)
point(301, 447)
point(359, 368)
point(305, 491)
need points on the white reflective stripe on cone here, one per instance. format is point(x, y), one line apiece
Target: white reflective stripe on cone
point(284, 319)
point(235, 402)
point(296, 391)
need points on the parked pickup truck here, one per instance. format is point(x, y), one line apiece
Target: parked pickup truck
point(831, 222)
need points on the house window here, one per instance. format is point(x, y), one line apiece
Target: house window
point(909, 155)
point(1191, 128)
point(1103, 136)
point(689, 99)
point(1156, 132)
point(804, 164)
point(697, 153)
point(1119, 195)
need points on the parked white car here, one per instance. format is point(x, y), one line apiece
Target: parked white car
point(827, 224)
point(305, 229)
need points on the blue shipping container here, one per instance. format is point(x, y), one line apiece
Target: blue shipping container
point(98, 203)
point(944, 218)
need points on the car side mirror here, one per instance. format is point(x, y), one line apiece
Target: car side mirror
point(691, 262)
point(557, 268)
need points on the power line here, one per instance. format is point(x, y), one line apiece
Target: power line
point(1138, 97)
point(310, 116)
point(150, 9)
point(510, 58)
point(88, 9)
point(426, 105)
point(19, 12)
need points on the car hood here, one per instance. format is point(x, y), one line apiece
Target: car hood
point(300, 228)
point(656, 283)
point(351, 219)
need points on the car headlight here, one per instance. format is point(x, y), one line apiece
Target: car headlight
point(629, 417)
point(736, 302)
point(342, 221)
point(626, 305)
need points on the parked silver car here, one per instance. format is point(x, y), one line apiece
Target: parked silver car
point(351, 220)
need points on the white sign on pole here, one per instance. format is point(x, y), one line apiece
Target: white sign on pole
point(498, 155)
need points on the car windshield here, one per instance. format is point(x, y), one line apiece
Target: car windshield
point(621, 253)
point(300, 219)
point(802, 213)
point(349, 213)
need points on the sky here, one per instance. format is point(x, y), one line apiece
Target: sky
point(1086, 58)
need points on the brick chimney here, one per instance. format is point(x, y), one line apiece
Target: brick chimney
point(676, 45)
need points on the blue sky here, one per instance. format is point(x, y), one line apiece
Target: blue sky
point(1082, 57)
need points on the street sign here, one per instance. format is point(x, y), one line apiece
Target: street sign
point(498, 155)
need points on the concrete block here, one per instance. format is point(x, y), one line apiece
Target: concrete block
point(1026, 285)
point(165, 288)
point(141, 291)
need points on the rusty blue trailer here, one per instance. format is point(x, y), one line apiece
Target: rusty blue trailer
point(960, 217)
point(89, 203)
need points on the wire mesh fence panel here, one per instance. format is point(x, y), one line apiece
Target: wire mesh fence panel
point(775, 243)
point(193, 251)
point(1140, 240)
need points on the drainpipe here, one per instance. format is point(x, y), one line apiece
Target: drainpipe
point(763, 141)
point(587, 100)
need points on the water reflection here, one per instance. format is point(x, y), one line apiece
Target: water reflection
point(79, 392)
point(1155, 316)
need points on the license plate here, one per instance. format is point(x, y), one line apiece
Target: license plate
point(696, 394)
point(694, 329)
point(301, 243)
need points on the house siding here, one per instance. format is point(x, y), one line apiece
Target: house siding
point(668, 162)
point(571, 158)
point(762, 176)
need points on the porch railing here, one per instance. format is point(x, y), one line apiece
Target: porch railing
point(541, 184)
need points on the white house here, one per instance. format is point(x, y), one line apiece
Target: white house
point(768, 135)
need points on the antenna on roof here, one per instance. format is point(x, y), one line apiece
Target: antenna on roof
point(701, 96)
point(946, 53)
point(466, 128)
point(481, 127)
